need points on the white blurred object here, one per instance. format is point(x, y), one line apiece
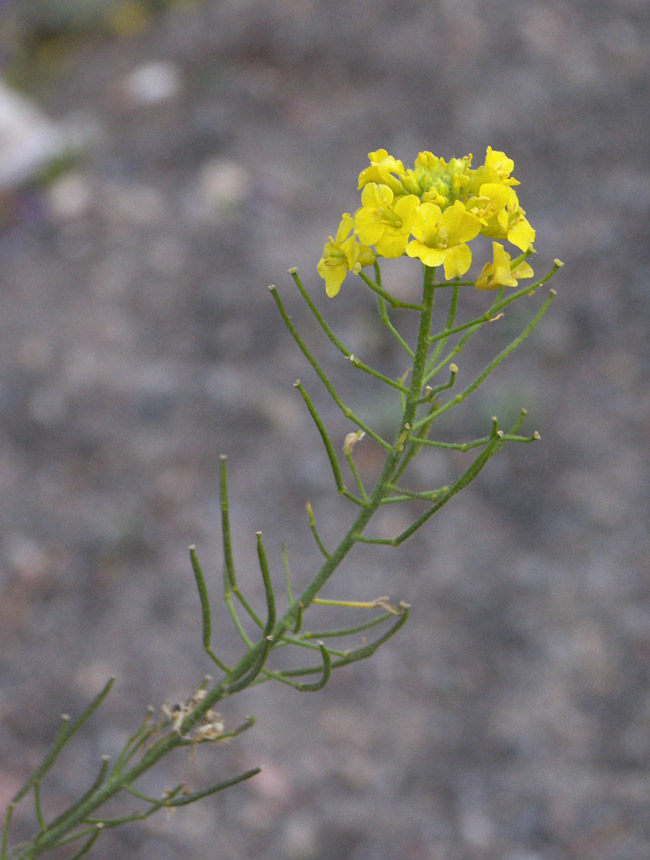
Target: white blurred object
point(153, 83)
point(70, 197)
point(223, 183)
point(29, 140)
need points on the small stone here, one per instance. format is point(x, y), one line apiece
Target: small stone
point(224, 183)
point(69, 197)
point(152, 83)
point(300, 837)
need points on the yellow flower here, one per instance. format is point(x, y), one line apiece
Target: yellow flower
point(382, 165)
point(385, 220)
point(510, 224)
point(490, 206)
point(342, 254)
point(431, 211)
point(520, 232)
point(503, 165)
point(500, 271)
point(497, 207)
point(440, 237)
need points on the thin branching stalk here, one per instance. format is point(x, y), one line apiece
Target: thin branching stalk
point(280, 623)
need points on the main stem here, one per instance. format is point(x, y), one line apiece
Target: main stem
point(393, 458)
point(115, 783)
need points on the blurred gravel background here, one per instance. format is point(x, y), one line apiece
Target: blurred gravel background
point(219, 142)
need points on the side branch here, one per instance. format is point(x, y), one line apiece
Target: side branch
point(323, 376)
point(480, 379)
point(356, 362)
point(327, 442)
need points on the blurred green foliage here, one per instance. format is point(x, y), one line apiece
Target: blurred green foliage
point(38, 36)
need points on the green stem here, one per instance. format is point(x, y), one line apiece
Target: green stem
point(392, 301)
point(5, 830)
point(447, 331)
point(229, 580)
point(390, 465)
point(89, 843)
point(322, 375)
point(385, 320)
point(314, 531)
point(327, 443)
point(65, 733)
point(459, 398)
point(249, 667)
point(356, 362)
point(306, 687)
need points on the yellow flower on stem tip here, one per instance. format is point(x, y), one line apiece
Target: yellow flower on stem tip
point(491, 204)
point(500, 271)
point(382, 165)
point(342, 254)
point(503, 165)
point(520, 232)
point(385, 220)
point(440, 237)
point(497, 208)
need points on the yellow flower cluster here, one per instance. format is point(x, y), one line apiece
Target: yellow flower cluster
point(431, 211)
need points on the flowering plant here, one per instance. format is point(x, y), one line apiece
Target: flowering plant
point(429, 213)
